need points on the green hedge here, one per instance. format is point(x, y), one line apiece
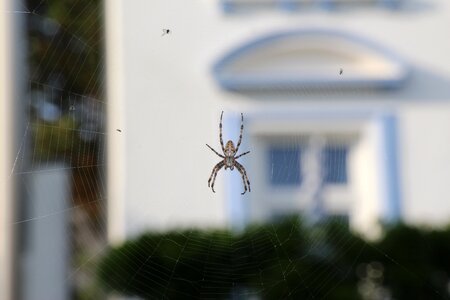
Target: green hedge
point(285, 260)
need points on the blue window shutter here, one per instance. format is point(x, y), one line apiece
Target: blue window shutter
point(284, 165)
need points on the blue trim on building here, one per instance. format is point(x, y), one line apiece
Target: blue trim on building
point(236, 82)
point(229, 6)
point(289, 5)
point(242, 82)
point(392, 209)
point(237, 204)
point(328, 5)
point(391, 4)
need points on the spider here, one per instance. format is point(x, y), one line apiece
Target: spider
point(229, 158)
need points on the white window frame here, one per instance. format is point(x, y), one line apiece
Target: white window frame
point(371, 180)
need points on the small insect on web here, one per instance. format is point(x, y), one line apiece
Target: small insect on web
point(166, 31)
point(229, 158)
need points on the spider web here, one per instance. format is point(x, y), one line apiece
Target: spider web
point(60, 164)
point(60, 167)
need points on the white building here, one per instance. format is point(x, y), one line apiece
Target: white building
point(346, 107)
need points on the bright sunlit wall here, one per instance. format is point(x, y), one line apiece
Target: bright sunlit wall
point(167, 102)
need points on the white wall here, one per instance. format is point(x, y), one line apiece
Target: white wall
point(425, 158)
point(45, 261)
point(168, 105)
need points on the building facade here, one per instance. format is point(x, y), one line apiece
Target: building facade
point(346, 111)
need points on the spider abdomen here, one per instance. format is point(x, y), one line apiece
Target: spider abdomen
point(229, 162)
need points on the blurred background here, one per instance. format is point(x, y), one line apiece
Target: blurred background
point(106, 107)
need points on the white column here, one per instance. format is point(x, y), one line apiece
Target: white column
point(11, 79)
point(115, 115)
point(313, 176)
point(45, 261)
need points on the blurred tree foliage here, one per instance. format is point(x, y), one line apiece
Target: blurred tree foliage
point(66, 68)
point(58, 138)
point(66, 44)
point(67, 122)
point(286, 260)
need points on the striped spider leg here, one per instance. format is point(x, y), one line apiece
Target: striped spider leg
point(241, 170)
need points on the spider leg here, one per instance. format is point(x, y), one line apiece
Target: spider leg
point(220, 133)
point(242, 154)
point(215, 151)
point(241, 169)
point(240, 135)
point(215, 169)
point(214, 179)
point(214, 174)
